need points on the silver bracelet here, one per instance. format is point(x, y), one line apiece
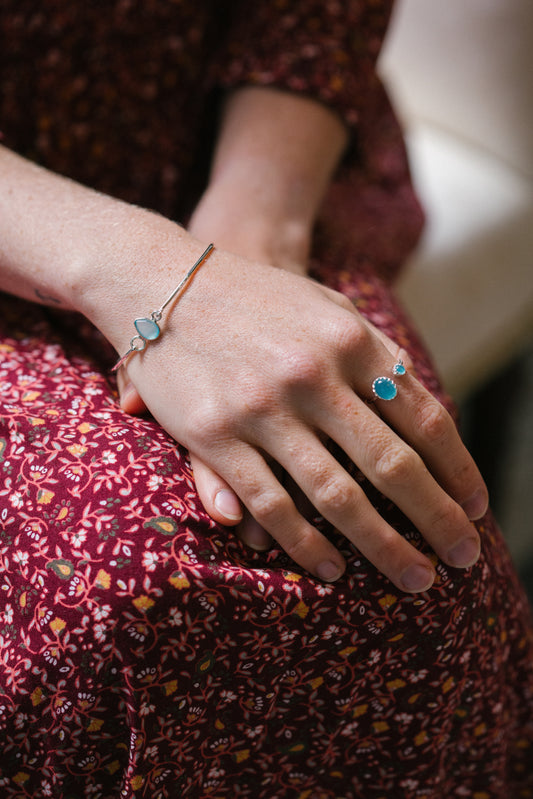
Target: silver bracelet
point(147, 327)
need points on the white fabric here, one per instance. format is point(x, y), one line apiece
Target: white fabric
point(461, 76)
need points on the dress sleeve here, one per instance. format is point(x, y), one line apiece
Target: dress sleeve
point(326, 49)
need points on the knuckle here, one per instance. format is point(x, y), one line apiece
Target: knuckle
point(270, 508)
point(343, 301)
point(207, 425)
point(397, 465)
point(351, 336)
point(446, 516)
point(434, 423)
point(387, 547)
point(336, 495)
point(301, 368)
point(299, 545)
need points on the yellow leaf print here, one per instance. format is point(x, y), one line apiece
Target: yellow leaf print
point(58, 625)
point(349, 650)
point(143, 603)
point(448, 685)
point(136, 782)
point(44, 497)
point(392, 685)
point(388, 601)
point(29, 396)
point(171, 687)
point(243, 754)
point(178, 580)
point(95, 725)
point(21, 777)
point(103, 579)
point(37, 697)
point(301, 610)
point(78, 450)
point(291, 577)
point(380, 726)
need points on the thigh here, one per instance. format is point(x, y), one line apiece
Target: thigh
point(145, 652)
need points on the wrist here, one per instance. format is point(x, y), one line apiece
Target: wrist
point(141, 259)
point(244, 222)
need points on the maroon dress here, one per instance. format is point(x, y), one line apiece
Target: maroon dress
point(145, 652)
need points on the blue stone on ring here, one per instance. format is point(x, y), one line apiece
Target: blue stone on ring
point(384, 388)
point(399, 368)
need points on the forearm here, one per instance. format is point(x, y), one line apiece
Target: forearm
point(68, 246)
point(275, 155)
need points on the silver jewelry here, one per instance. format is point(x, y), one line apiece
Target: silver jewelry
point(384, 387)
point(147, 327)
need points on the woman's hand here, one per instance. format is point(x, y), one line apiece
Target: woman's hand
point(258, 367)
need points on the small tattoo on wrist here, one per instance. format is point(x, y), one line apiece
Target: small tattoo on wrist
point(47, 297)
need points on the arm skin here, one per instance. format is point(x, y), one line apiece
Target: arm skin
point(278, 363)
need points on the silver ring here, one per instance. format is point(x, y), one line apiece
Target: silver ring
point(385, 388)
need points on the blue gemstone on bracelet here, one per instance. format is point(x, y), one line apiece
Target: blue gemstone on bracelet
point(384, 388)
point(147, 328)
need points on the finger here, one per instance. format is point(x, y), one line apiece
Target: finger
point(253, 534)
point(274, 511)
point(426, 425)
point(130, 400)
point(250, 531)
point(340, 500)
point(415, 414)
point(400, 473)
point(219, 500)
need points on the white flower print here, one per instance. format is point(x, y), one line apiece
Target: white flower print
point(150, 560)
point(16, 499)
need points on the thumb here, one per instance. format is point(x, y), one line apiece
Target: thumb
point(221, 503)
point(130, 400)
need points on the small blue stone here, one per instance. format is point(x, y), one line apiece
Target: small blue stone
point(147, 328)
point(384, 388)
point(399, 369)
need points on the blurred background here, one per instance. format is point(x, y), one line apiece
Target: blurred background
point(461, 77)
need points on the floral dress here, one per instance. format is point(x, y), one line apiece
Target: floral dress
point(144, 651)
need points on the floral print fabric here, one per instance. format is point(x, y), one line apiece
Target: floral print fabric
point(144, 652)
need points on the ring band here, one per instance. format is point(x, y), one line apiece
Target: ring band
point(385, 388)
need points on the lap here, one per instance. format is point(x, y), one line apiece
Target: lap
point(144, 649)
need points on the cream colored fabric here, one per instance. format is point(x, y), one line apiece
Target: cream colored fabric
point(461, 75)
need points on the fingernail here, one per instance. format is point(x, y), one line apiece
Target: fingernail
point(464, 553)
point(228, 505)
point(254, 536)
point(416, 578)
point(328, 571)
point(476, 506)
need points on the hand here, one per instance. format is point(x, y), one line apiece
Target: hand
point(217, 497)
point(286, 381)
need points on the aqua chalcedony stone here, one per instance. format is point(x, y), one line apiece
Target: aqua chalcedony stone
point(399, 369)
point(384, 388)
point(147, 328)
